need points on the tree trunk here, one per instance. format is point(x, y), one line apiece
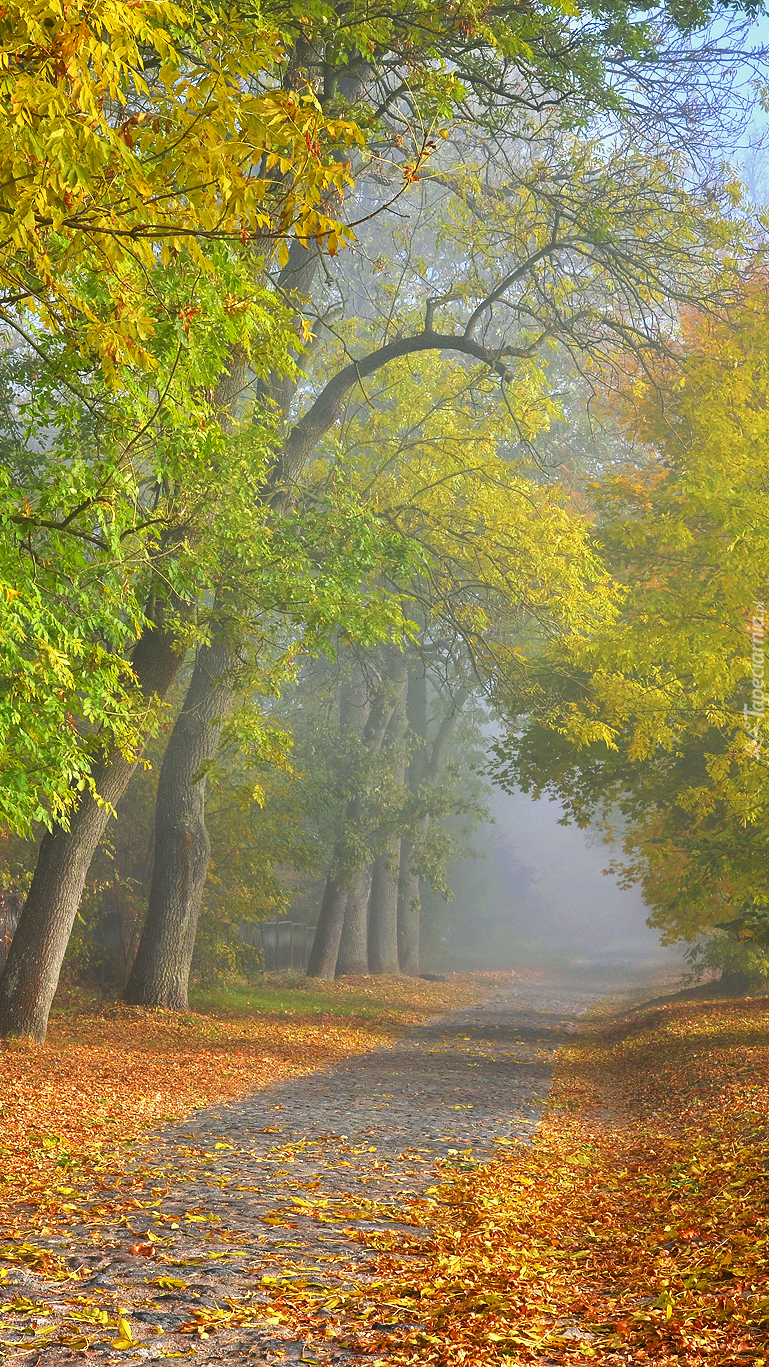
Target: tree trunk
point(161, 969)
point(31, 974)
point(345, 862)
point(328, 932)
point(383, 902)
point(383, 911)
point(424, 772)
point(409, 908)
point(353, 946)
point(409, 913)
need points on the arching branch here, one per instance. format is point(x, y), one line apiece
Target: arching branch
point(327, 408)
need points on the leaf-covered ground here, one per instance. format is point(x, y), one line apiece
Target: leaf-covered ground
point(185, 1241)
point(108, 1073)
point(634, 1228)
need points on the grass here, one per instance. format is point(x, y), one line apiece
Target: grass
point(364, 998)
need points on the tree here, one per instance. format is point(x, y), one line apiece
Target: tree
point(427, 764)
point(355, 704)
point(336, 589)
point(104, 500)
point(121, 497)
point(345, 897)
point(103, 112)
point(500, 557)
point(650, 725)
point(134, 138)
point(580, 276)
point(560, 287)
point(478, 65)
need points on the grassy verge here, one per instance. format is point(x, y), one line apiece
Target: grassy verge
point(106, 1073)
point(634, 1230)
point(390, 1000)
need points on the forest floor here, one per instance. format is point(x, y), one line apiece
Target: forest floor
point(396, 1189)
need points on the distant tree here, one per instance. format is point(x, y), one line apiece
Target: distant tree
point(501, 559)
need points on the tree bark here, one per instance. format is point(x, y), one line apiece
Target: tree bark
point(409, 908)
point(383, 901)
point(329, 405)
point(424, 772)
point(383, 911)
point(353, 945)
point(31, 974)
point(328, 932)
point(409, 913)
point(161, 969)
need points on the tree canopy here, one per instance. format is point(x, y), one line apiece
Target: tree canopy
point(285, 295)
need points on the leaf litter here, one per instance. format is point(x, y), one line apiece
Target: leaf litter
point(73, 1116)
point(633, 1227)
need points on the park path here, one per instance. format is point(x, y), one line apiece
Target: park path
point(269, 1186)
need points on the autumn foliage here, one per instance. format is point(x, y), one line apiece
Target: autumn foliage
point(634, 1228)
point(107, 1074)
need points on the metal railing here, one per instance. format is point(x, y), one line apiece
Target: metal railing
point(11, 903)
point(284, 944)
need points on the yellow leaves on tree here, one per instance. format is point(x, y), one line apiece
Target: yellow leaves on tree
point(124, 126)
point(503, 553)
point(649, 714)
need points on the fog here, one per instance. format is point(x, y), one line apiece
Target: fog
point(534, 892)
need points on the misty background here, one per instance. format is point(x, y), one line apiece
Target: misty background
point(534, 892)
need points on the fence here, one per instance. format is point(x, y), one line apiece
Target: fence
point(11, 903)
point(284, 944)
